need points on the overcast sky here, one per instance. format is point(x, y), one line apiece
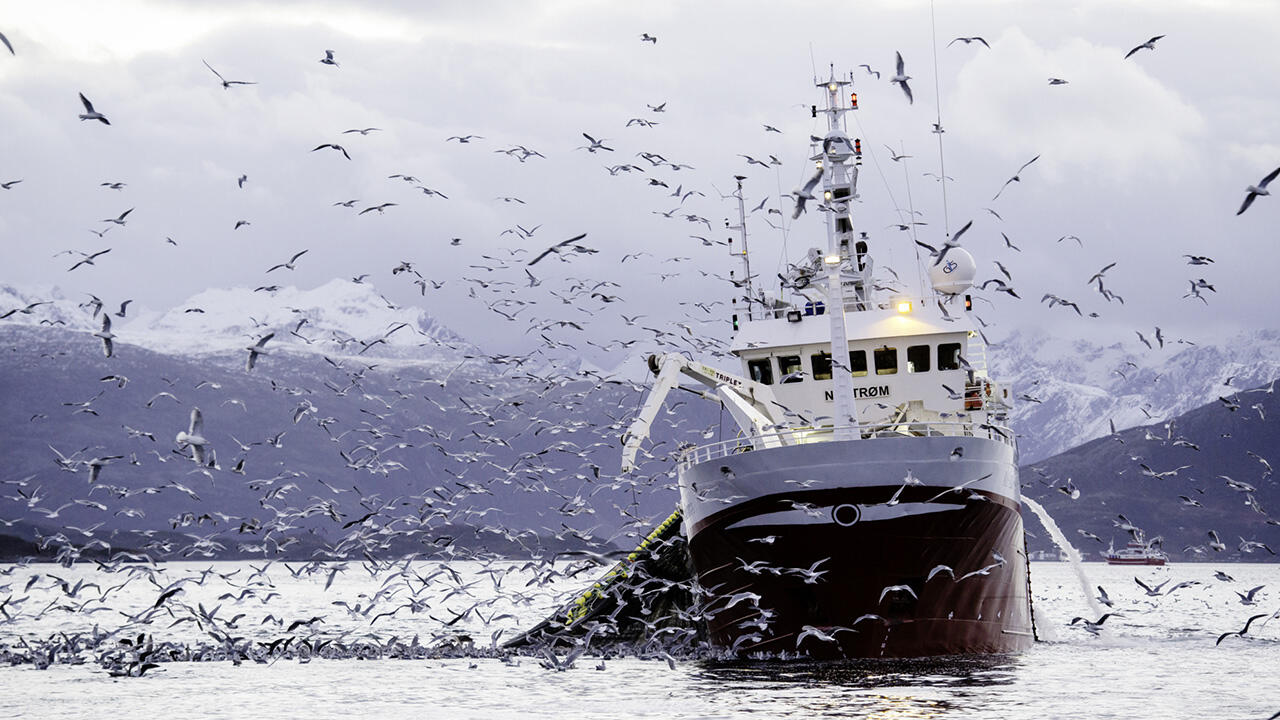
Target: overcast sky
point(1144, 159)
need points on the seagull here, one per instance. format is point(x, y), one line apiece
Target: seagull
point(1016, 176)
point(1057, 81)
point(1246, 598)
point(1252, 191)
point(811, 631)
point(1149, 45)
point(7, 44)
point(556, 248)
point(1151, 591)
point(105, 335)
point(595, 144)
point(339, 148)
point(256, 349)
point(898, 588)
point(967, 40)
point(805, 193)
point(88, 259)
point(646, 37)
point(895, 156)
point(1104, 598)
point(8, 185)
point(1092, 626)
point(901, 78)
point(193, 436)
point(1241, 631)
point(870, 71)
point(379, 208)
point(90, 113)
point(119, 220)
point(328, 59)
point(951, 242)
point(226, 84)
point(362, 131)
point(464, 139)
point(288, 265)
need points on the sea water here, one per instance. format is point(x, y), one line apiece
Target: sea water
point(1157, 660)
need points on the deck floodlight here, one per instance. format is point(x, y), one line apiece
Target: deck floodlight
point(794, 316)
point(904, 306)
point(832, 259)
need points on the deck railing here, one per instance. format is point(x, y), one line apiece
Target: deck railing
point(867, 432)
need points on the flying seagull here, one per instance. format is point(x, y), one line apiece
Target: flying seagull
point(226, 84)
point(806, 193)
point(256, 349)
point(1253, 191)
point(556, 248)
point(951, 242)
point(1149, 45)
point(193, 436)
point(646, 37)
point(288, 265)
point(901, 78)
point(1016, 176)
point(967, 40)
point(7, 44)
point(105, 335)
point(339, 148)
point(90, 113)
point(328, 59)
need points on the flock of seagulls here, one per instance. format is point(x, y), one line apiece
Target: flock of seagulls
point(468, 456)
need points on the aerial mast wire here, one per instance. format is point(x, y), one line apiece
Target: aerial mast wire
point(937, 128)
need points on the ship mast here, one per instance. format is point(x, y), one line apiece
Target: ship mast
point(839, 159)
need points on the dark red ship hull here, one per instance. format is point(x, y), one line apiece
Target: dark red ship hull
point(978, 603)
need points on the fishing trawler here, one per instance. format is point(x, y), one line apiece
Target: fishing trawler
point(1137, 552)
point(870, 505)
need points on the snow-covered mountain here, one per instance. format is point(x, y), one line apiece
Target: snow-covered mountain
point(340, 318)
point(1068, 391)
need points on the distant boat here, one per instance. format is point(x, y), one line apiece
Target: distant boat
point(1136, 553)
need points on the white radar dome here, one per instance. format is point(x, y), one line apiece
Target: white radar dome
point(955, 273)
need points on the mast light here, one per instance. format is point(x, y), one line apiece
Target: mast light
point(832, 259)
point(853, 101)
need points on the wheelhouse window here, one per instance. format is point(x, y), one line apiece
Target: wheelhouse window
point(918, 358)
point(858, 362)
point(761, 370)
point(949, 356)
point(886, 361)
point(790, 368)
point(820, 364)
